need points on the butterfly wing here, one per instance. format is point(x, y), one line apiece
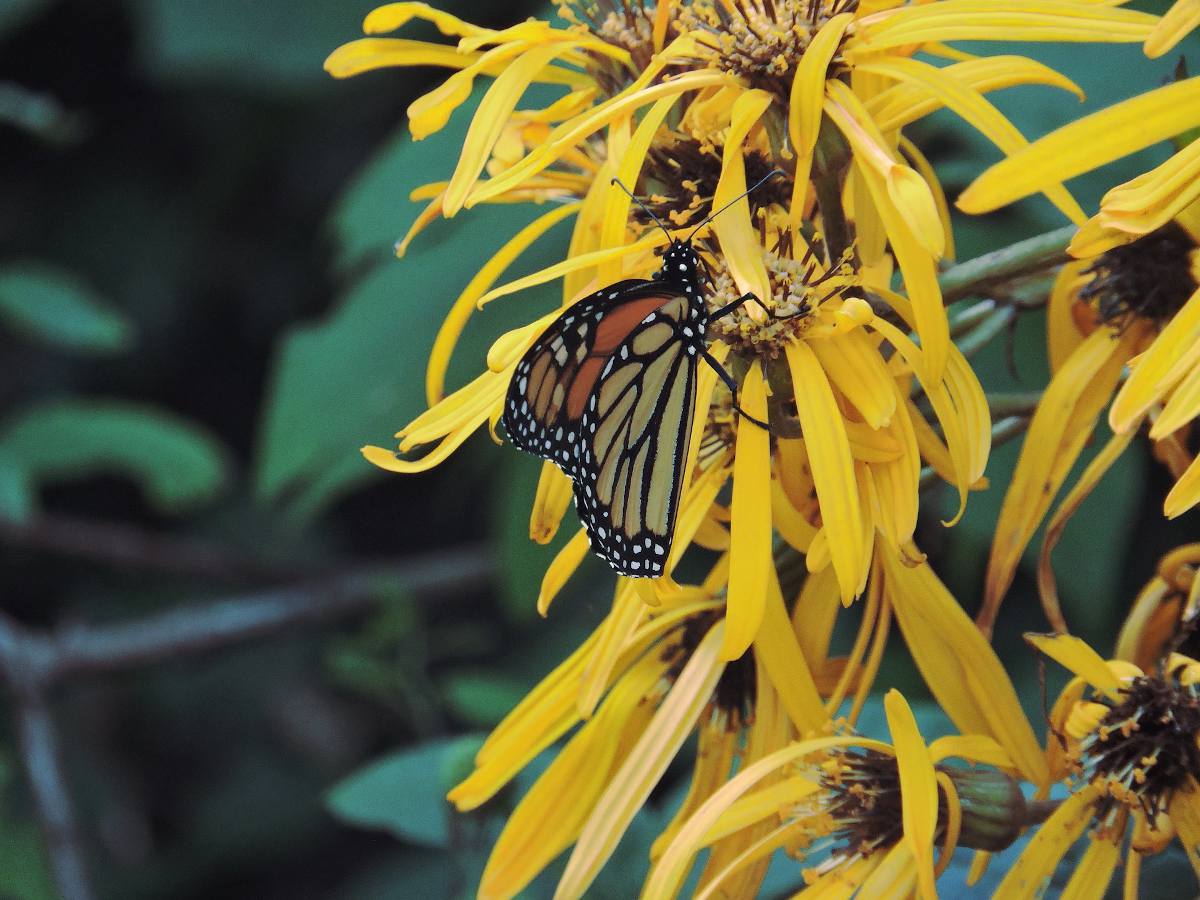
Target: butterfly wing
point(633, 440)
point(556, 376)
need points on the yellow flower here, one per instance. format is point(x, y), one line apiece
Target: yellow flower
point(862, 815)
point(641, 684)
point(1126, 739)
point(1134, 304)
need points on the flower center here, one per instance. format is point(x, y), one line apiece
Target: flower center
point(1144, 748)
point(681, 177)
point(737, 687)
point(864, 801)
point(761, 41)
point(1149, 279)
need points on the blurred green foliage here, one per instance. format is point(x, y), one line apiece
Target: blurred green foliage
point(203, 320)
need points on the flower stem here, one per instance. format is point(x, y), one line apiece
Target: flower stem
point(1026, 257)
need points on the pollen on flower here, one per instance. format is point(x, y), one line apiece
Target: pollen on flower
point(1144, 748)
point(798, 288)
point(762, 42)
point(1149, 279)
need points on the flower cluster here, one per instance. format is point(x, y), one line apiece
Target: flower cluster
point(661, 116)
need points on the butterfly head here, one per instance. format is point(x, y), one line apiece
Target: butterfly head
point(681, 264)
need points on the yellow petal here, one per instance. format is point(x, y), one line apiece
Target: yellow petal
point(1181, 18)
point(805, 102)
point(554, 492)
point(1058, 522)
point(974, 748)
point(1037, 862)
point(903, 104)
point(750, 530)
point(1060, 427)
point(430, 112)
point(959, 666)
point(906, 189)
point(974, 109)
point(391, 16)
point(854, 365)
point(612, 637)
point(573, 132)
point(491, 117)
point(918, 788)
point(452, 326)
point(831, 463)
point(1094, 871)
point(1076, 656)
point(738, 237)
point(643, 766)
point(1186, 492)
point(568, 559)
point(1185, 816)
point(787, 520)
point(542, 826)
point(1153, 199)
point(1086, 144)
point(925, 169)
point(776, 647)
point(615, 220)
point(1174, 353)
point(1002, 20)
point(1062, 334)
point(367, 54)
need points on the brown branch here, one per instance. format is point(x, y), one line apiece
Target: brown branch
point(129, 547)
point(32, 662)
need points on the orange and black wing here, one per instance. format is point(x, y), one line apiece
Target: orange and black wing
point(556, 376)
point(633, 435)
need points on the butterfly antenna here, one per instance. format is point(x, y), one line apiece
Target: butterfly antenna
point(744, 193)
point(645, 208)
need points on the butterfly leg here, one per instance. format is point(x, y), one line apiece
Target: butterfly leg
point(724, 375)
point(725, 310)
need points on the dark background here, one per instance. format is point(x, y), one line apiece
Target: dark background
point(201, 321)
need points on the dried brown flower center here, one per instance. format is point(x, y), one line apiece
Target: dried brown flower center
point(737, 687)
point(1149, 279)
point(1144, 748)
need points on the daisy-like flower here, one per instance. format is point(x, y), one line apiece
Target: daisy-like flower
point(649, 677)
point(642, 693)
point(1125, 740)
point(860, 814)
point(1133, 305)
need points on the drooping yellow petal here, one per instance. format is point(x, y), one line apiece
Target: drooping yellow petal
point(925, 169)
point(571, 133)
point(1181, 18)
point(542, 826)
point(959, 666)
point(568, 559)
point(1062, 333)
point(750, 530)
point(776, 647)
point(1076, 656)
point(1174, 353)
point(644, 765)
point(1060, 427)
point(1185, 816)
point(392, 16)
point(1050, 842)
point(856, 369)
point(974, 109)
point(491, 117)
point(805, 103)
point(612, 637)
point(430, 112)
point(1086, 144)
point(1094, 871)
point(903, 104)
point(831, 463)
point(1001, 20)
point(549, 504)
point(452, 326)
point(906, 189)
point(1151, 200)
point(918, 788)
point(1091, 476)
point(975, 748)
point(614, 224)
point(1186, 492)
point(367, 54)
point(738, 237)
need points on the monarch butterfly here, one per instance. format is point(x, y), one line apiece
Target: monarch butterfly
point(607, 394)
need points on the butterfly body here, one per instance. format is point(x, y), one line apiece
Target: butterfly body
point(608, 393)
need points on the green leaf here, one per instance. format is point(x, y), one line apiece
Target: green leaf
point(52, 306)
point(177, 464)
point(359, 375)
point(16, 493)
point(482, 698)
point(404, 793)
